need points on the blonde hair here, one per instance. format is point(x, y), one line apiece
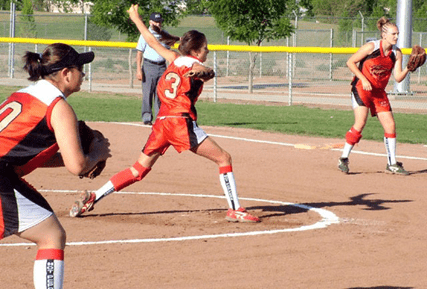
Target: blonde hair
point(383, 24)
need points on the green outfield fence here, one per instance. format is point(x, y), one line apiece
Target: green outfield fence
point(307, 68)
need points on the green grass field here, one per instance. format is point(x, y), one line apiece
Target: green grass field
point(297, 120)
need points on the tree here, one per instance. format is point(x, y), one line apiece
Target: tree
point(196, 7)
point(28, 26)
point(112, 14)
point(253, 21)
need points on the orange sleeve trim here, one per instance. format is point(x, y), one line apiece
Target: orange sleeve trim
point(226, 169)
point(54, 254)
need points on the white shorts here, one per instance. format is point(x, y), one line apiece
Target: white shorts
point(21, 207)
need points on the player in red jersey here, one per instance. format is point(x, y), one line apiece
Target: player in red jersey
point(376, 61)
point(34, 123)
point(175, 124)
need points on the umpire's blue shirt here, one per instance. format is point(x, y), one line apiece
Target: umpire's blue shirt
point(150, 53)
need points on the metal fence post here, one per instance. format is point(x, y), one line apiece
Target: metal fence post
point(216, 76)
point(331, 55)
point(90, 73)
point(260, 62)
point(290, 78)
point(130, 69)
point(353, 38)
point(363, 24)
point(419, 70)
point(228, 58)
point(287, 58)
point(12, 45)
point(294, 57)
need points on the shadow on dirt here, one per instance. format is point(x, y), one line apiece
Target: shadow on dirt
point(382, 287)
point(280, 210)
point(359, 200)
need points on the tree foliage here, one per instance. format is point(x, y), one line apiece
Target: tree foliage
point(253, 21)
point(112, 14)
point(27, 27)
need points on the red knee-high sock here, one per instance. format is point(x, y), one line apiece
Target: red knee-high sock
point(126, 178)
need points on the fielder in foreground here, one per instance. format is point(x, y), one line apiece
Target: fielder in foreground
point(178, 90)
point(34, 123)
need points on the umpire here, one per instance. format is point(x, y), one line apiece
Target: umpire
point(150, 72)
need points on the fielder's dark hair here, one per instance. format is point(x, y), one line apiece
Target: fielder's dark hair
point(192, 40)
point(36, 64)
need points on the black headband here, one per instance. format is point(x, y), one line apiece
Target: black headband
point(71, 58)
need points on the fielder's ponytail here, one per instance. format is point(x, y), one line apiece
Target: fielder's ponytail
point(33, 65)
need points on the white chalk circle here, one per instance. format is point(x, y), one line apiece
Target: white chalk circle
point(327, 218)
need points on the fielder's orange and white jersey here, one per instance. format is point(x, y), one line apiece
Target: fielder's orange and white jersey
point(377, 67)
point(178, 94)
point(26, 135)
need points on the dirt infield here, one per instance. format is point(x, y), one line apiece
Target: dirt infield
point(320, 228)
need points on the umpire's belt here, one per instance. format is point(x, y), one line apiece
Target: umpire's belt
point(155, 62)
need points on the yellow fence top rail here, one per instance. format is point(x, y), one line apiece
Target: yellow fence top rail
point(237, 48)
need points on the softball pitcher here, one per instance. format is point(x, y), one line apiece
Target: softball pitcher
point(176, 123)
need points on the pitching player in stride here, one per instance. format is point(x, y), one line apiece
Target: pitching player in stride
point(376, 61)
point(178, 90)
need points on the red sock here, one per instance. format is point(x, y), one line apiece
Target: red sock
point(51, 254)
point(225, 169)
point(125, 178)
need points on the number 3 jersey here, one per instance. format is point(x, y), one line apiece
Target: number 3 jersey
point(26, 135)
point(178, 94)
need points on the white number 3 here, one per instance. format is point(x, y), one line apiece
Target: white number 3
point(174, 84)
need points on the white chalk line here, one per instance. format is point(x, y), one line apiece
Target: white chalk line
point(288, 144)
point(327, 218)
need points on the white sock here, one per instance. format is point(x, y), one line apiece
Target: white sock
point(104, 191)
point(229, 186)
point(346, 150)
point(390, 147)
point(48, 273)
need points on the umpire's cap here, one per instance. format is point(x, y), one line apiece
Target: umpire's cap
point(156, 17)
point(71, 58)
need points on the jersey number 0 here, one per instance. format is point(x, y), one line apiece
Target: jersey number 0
point(8, 113)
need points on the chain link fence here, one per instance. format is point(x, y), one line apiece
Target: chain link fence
point(288, 78)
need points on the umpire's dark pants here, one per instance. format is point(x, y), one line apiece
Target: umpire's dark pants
point(150, 100)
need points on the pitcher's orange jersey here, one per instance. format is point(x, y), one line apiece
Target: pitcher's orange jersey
point(178, 94)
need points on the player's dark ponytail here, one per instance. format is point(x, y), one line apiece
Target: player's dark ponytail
point(33, 65)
